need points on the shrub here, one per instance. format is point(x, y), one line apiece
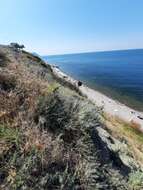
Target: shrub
point(51, 113)
point(136, 180)
point(3, 60)
point(7, 82)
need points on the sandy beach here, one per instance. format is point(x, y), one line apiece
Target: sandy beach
point(110, 106)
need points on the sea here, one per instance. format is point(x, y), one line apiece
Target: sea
point(118, 74)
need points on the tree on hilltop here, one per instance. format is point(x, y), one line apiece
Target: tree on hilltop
point(17, 46)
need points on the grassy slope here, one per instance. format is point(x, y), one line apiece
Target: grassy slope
point(48, 136)
point(129, 133)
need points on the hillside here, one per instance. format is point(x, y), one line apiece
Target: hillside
point(52, 138)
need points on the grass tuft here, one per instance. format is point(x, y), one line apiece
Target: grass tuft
point(9, 134)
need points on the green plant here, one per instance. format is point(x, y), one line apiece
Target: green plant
point(136, 180)
point(9, 134)
point(51, 113)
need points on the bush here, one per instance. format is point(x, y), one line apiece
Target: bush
point(3, 60)
point(51, 114)
point(136, 180)
point(7, 82)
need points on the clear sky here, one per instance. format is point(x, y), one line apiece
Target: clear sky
point(66, 26)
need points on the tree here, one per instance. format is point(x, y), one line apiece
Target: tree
point(17, 46)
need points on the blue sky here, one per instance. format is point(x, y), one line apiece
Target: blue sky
point(67, 26)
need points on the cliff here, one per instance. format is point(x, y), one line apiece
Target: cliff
point(51, 137)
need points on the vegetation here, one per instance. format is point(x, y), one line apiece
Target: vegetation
point(3, 60)
point(49, 135)
point(136, 180)
point(34, 131)
point(127, 132)
point(16, 46)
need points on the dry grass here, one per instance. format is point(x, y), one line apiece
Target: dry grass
point(20, 89)
point(29, 152)
point(3, 60)
point(136, 126)
point(43, 145)
point(129, 132)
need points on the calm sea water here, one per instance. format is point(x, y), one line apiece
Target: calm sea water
point(118, 74)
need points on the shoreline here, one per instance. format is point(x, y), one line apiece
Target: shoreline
point(110, 106)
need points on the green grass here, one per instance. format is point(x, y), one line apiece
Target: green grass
point(133, 132)
point(9, 134)
point(126, 128)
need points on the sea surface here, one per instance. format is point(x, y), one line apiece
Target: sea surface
point(118, 74)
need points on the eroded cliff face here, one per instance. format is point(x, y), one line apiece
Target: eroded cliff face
point(51, 137)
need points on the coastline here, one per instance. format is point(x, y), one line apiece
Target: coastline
point(110, 106)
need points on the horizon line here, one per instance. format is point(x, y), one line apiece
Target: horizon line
point(93, 51)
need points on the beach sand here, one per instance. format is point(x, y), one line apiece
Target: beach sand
point(110, 106)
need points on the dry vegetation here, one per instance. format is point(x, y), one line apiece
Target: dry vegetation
point(128, 132)
point(33, 141)
point(48, 141)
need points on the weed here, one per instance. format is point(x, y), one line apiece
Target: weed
point(9, 134)
point(136, 180)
